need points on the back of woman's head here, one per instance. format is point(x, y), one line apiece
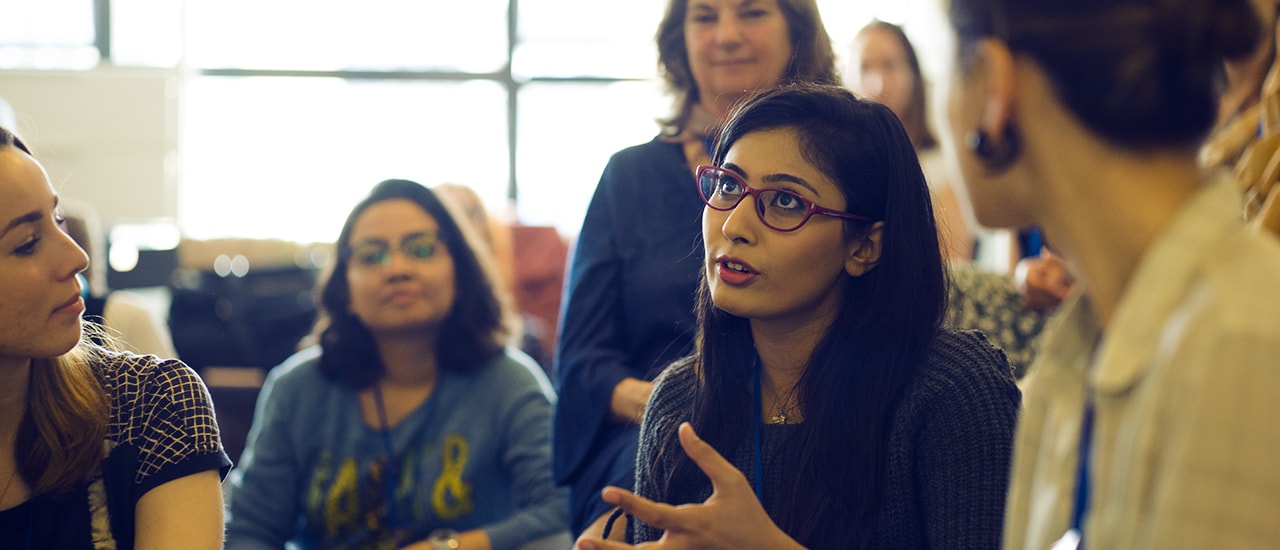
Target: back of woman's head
point(466, 203)
point(813, 59)
point(887, 319)
point(1139, 73)
point(475, 329)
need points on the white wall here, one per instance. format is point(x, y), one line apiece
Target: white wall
point(107, 136)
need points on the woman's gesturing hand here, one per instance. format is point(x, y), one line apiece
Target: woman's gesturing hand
point(730, 518)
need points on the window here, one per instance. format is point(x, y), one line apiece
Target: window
point(49, 34)
point(328, 35)
point(308, 104)
point(289, 110)
point(610, 39)
point(567, 131)
point(280, 157)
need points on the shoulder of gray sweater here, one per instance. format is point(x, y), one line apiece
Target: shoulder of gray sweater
point(672, 398)
point(668, 406)
point(963, 352)
point(963, 364)
point(513, 370)
point(673, 387)
point(670, 402)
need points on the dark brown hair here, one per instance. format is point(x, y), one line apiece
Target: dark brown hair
point(475, 330)
point(1139, 73)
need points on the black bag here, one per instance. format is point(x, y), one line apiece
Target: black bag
point(252, 321)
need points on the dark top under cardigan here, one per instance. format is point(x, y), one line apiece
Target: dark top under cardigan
point(949, 450)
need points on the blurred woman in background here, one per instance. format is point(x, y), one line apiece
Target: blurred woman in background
point(883, 67)
point(1011, 311)
point(411, 424)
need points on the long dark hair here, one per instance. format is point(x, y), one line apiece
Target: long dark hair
point(889, 316)
point(1145, 77)
point(812, 60)
point(475, 329)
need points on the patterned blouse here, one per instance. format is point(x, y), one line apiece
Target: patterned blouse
point(988, 302)
point(162, 428)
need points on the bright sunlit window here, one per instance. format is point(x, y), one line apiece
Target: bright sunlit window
point(288, 157)
point(468, 36)
point(307, 104)
point(567, 133)
point(48, 34)
point(287, 111)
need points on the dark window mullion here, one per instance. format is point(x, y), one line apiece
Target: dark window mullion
point(513, 99)
point(102, 28)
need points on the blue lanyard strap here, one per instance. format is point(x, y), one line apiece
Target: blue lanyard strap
point(390, 476)
point(1082, 469)
point(759, 454)
point(1074, 537)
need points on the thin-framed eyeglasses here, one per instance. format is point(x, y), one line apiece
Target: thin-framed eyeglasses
point(377, 252)
point(779, 209)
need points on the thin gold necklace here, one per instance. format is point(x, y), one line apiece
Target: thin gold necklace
point(785, 407)
point(781, 417)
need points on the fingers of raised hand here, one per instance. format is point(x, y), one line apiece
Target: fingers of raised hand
point(655, 514)
point(724, 476)
point(598, 544)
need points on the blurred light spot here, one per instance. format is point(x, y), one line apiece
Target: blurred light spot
point(123, 257)
point(240, 265)
point(222, 265)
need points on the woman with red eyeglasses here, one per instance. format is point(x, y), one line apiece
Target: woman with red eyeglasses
point(633, 275)
point(821, 371)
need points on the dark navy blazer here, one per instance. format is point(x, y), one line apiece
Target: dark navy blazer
point(627, 308)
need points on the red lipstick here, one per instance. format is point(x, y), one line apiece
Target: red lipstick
point(734, 272)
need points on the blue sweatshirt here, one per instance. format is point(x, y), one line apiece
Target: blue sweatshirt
point(475, 454)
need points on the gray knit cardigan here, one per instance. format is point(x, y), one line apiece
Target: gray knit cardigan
point(949, 449)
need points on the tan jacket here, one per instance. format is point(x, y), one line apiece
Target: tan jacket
point(1186, 449)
